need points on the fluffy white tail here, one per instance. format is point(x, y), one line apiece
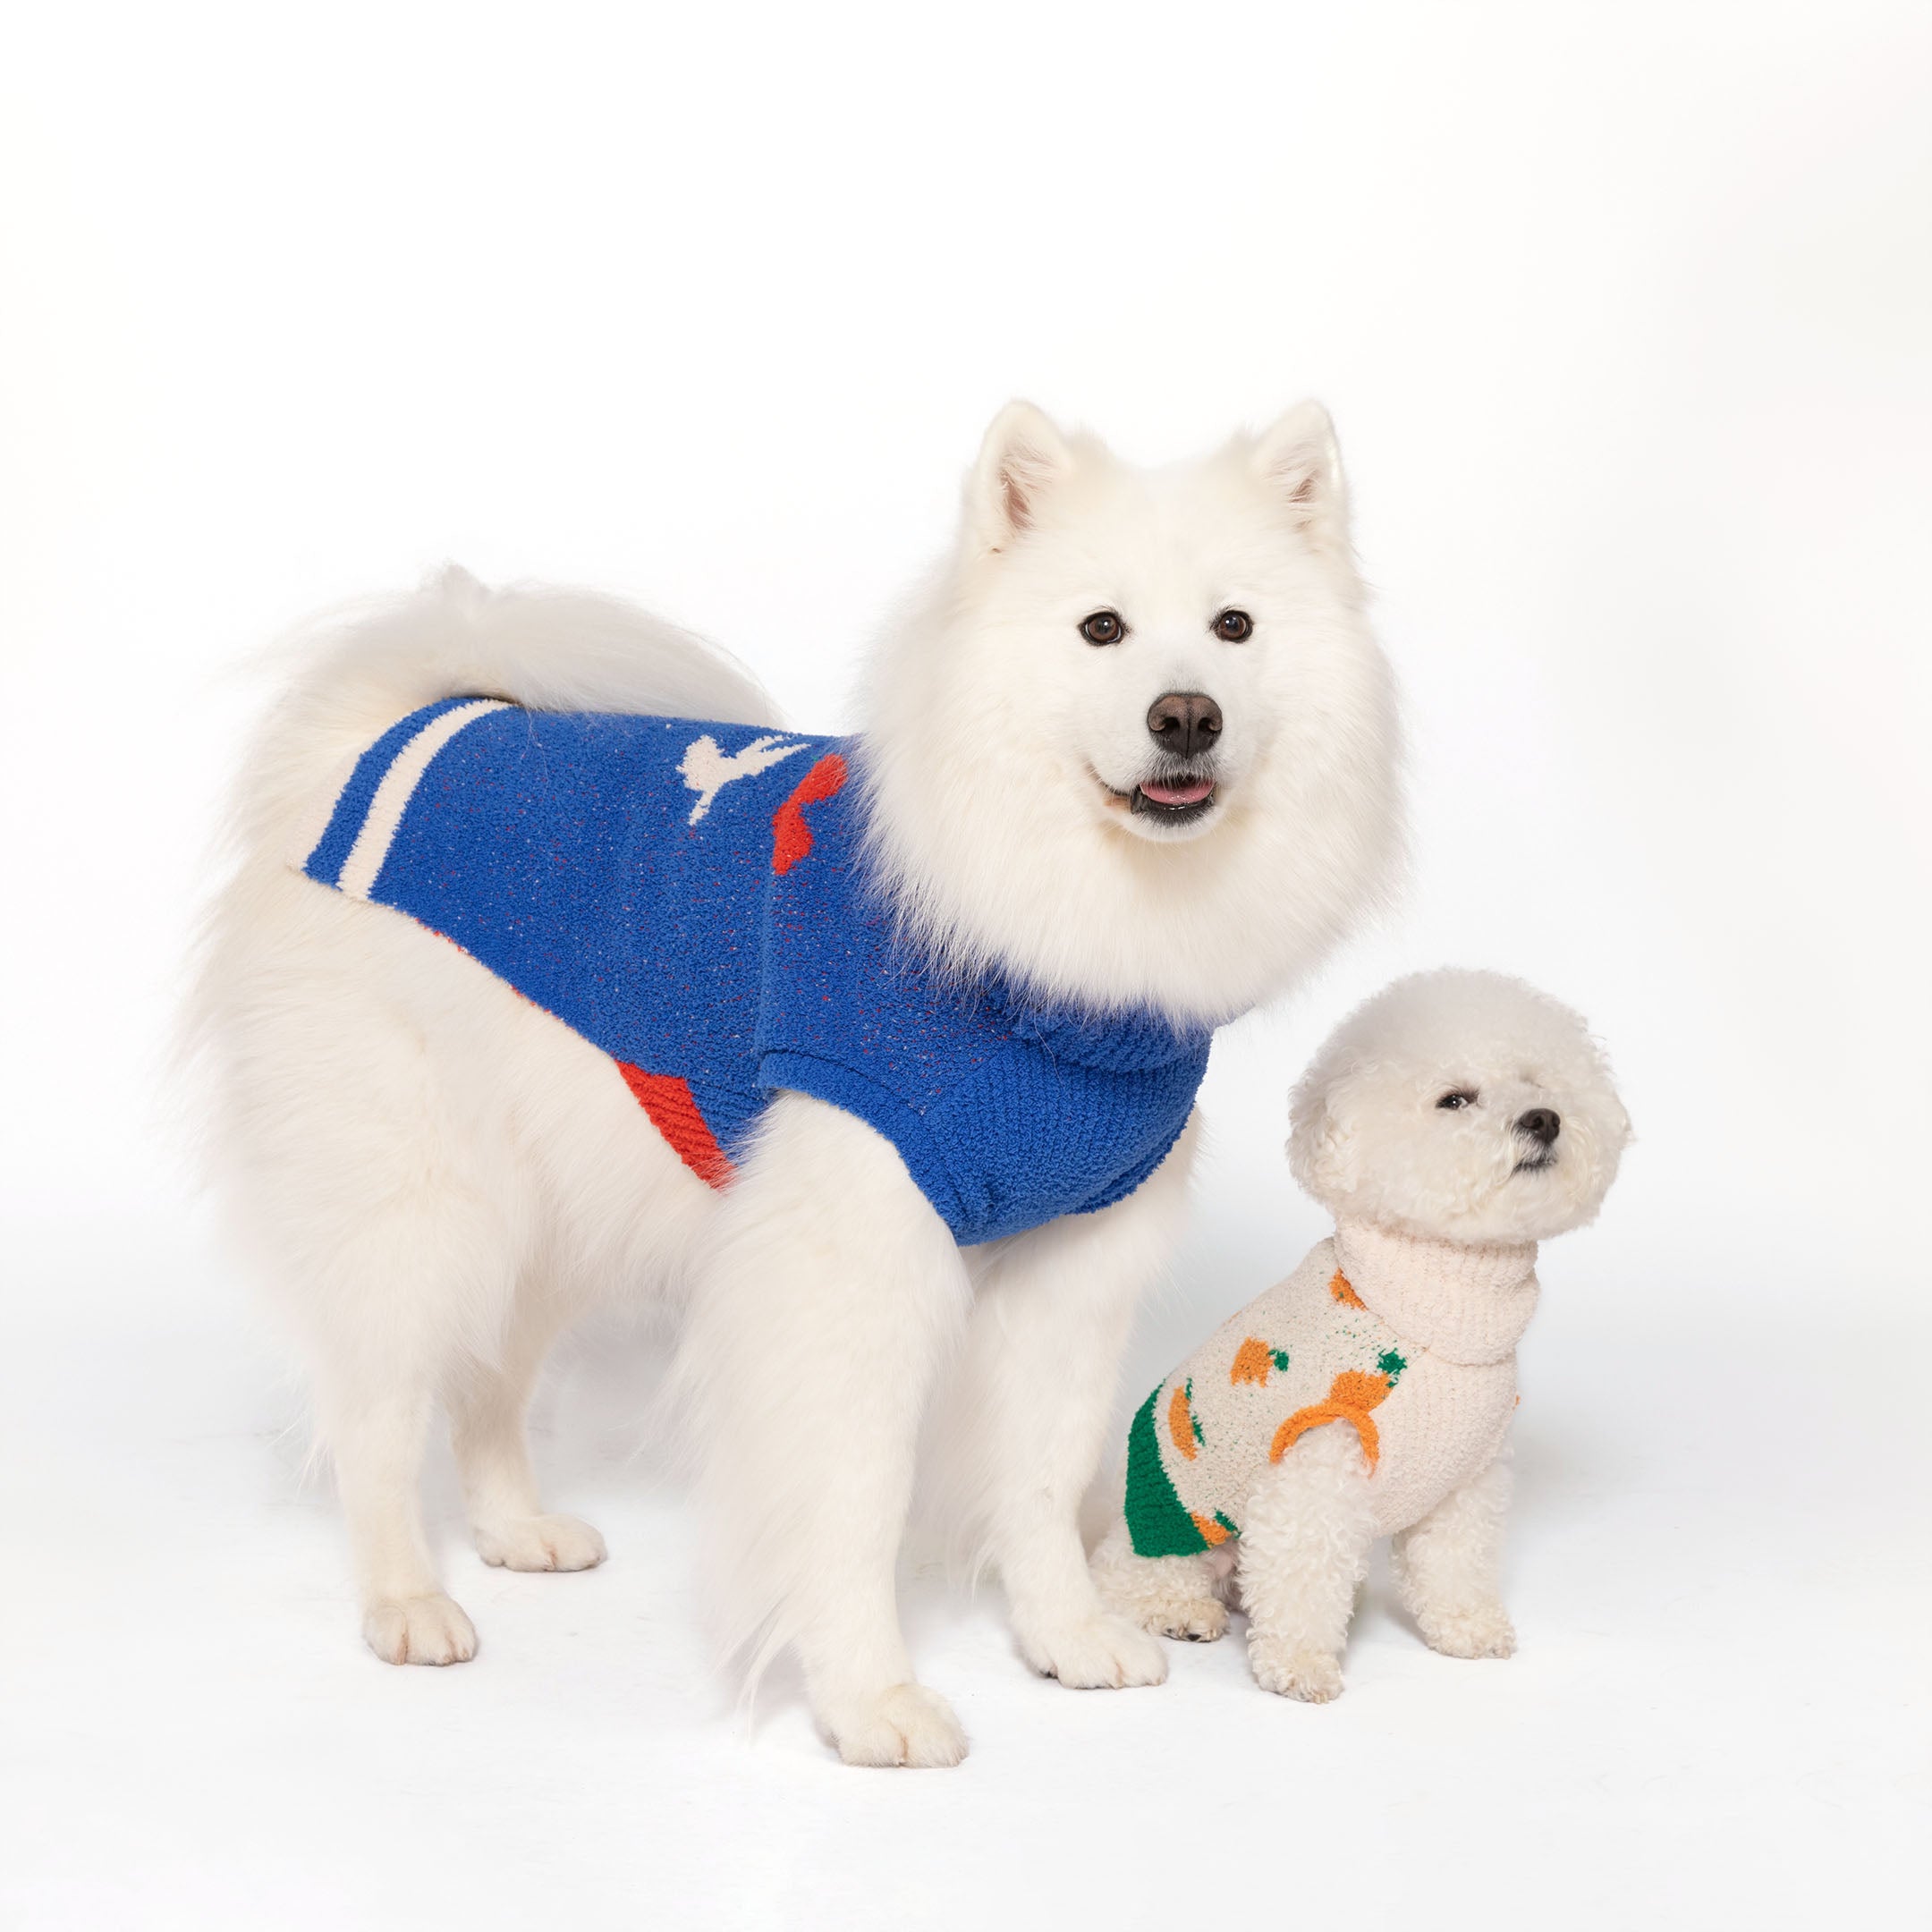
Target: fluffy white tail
point(552, 650)
point(346, 679)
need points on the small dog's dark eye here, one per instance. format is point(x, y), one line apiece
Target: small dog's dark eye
point(1104, 627)
point(1458, 1099)
point(1232, 625)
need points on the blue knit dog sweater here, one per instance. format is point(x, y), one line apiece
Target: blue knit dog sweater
point(691, 898)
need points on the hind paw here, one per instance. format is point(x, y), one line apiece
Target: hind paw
point(541, 1543)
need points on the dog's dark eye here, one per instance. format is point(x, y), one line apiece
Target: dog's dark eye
point(1460, 1098)
point(1232, 625)
point(1104, 627)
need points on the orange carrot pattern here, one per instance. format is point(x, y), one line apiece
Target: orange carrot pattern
point(1252, 1362)
point(1351, 1397)
point(1339, 1287)
point(1211, 1532)
point(1180, 1422)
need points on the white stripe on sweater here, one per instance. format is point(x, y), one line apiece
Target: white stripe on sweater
point(399, 783)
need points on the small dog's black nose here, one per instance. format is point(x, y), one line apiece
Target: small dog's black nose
point(1540, 1124)
point(1185, 722)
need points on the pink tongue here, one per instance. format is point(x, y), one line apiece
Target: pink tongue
point(1190, 793)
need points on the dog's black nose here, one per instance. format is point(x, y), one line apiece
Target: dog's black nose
point(1185, 722)
point(1540, 1124)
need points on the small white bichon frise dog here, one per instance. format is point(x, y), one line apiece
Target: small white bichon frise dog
point(1451, 1122)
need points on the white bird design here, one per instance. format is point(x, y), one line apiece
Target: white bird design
point(708, 771)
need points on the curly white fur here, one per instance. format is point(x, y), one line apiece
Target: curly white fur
point(1414, 1178)
point(431, 1212)
point(1369, 1140)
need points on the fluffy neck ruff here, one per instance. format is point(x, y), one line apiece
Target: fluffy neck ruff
point(1468, 1305)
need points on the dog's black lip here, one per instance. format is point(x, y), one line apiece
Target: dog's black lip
point(1173, 814)
point(1136, 800)
point(1533, 1166)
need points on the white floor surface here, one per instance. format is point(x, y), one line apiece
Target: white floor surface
point(1717, 1716)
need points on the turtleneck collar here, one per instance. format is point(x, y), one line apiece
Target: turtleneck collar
point(1468, 1305)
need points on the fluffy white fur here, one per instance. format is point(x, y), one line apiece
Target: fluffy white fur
point(1371, 1141)
point(1368, 1140)
point(437, 1177)
point(1002, 752)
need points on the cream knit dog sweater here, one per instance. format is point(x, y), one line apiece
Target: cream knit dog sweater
point(1409, 1343)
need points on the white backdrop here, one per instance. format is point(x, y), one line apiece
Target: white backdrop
point(1626, 318)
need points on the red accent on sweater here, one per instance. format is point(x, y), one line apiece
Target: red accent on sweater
point(673, 1113)
point(792, 837)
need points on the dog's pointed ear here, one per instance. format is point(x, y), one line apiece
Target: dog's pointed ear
point(1299, 461)
point(1023, 457)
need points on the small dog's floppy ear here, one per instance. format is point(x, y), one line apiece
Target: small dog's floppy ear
point(1317, 1143)
point(1325, 1140)
point(1023, 455)
point(1299, 459)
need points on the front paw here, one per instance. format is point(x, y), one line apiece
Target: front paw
point(1098, 1653)
point(1310, 1676)
point(1484, 1631)
point(905, 1724)
point(418, 1630)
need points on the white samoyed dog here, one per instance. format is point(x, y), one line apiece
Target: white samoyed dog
point(1130, 758)
point(1451, 1123)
